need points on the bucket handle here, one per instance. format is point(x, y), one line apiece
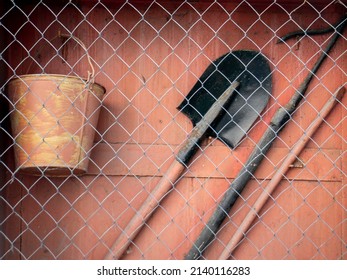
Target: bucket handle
point(91, 74)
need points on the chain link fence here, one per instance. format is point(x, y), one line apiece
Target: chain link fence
point(72, 188)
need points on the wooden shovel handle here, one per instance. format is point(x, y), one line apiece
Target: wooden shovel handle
point(171, 176)
point(150, 204)
point(271, 186)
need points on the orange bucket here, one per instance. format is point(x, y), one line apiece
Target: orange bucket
point(54, 122)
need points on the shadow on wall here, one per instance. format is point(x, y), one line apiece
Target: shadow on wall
point(2, 169)
point(3, 139)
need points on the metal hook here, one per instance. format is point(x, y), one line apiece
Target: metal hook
point(311, 32)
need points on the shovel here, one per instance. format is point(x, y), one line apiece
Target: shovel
point(279, 120)
point(251, 71)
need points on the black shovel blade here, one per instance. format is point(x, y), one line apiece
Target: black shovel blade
point(252, 71)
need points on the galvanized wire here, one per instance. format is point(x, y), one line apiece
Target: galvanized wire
point(148, 55)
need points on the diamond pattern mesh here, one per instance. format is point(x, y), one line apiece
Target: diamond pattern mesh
point(148, 55)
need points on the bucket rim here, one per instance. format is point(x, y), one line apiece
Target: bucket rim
point(56, 171)
point(59, 76)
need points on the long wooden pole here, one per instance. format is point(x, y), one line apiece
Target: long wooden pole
point(295, 151)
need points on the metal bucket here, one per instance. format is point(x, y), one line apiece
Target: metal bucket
point(53, 121)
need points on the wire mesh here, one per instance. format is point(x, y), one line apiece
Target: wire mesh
point(148, 55)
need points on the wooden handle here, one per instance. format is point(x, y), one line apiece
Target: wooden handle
point(295, 151)
point(142, 215)
point(169, 179)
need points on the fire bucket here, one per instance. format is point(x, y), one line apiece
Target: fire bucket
point(53, 122)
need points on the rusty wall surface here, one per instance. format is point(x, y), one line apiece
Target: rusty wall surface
point(148, 57)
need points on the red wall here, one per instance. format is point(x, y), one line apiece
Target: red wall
point(147, 67)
